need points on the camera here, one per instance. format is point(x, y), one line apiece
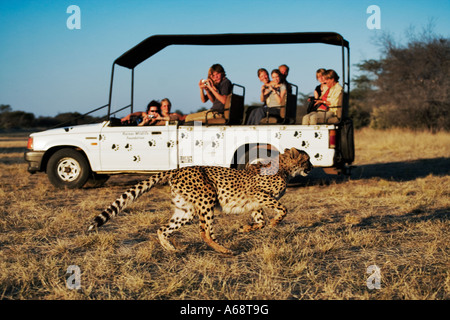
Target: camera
point(151, 116)
point(204, 82)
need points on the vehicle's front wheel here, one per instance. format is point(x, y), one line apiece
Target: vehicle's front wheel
point(68, 168)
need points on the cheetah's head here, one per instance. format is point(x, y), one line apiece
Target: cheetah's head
point(296, 162)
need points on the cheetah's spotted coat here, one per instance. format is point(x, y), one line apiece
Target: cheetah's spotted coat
point(197, 190)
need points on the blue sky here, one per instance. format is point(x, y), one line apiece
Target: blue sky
point(47, 68)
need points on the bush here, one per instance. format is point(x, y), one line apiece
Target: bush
point(16, 119)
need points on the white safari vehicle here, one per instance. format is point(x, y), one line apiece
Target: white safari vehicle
point(75, 155)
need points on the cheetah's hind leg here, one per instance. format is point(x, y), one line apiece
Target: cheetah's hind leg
point(179, 219)
point(258, 217)
point(206, 218)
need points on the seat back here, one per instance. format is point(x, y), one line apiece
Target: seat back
point(236, 111)
point(234, 108)
point(291, 105)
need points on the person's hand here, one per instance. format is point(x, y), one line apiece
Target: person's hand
point(145, 119)
point(208, 84)
point(318, 102)
point(204, 84)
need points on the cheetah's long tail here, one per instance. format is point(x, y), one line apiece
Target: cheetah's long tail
point(129, 196)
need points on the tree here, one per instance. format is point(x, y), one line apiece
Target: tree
point(409, 86)
point(5, 108)
point(360, 104)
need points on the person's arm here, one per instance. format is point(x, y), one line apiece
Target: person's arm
point(203, 88)
point(335, 96)
point(280, 96)
point(221, 97)
point(171, 116)
point(147, 121)
point(225, 87)
point(174, 116)
point(264, 92)
point(210, 91)
point(136, 114)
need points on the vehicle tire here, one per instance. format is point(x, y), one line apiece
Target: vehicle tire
point(254, 155)
point(347, 141)
point(68, 168)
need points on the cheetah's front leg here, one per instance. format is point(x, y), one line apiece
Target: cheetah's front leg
point(268, 201)
point(281, 213)
point(258, 217)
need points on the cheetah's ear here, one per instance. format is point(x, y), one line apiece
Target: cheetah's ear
point(294, 153)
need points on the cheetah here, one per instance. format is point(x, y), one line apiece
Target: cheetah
point(196, 190)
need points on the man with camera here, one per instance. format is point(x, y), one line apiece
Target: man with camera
point(141, 118)
point(215, 88)
point(151, 117)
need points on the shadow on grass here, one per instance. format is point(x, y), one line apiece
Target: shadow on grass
point(394, 171)
point(405, 170)
point(415, 216)
point(11, 150)
point(385, 223)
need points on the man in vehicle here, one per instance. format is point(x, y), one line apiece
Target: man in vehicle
point(141, 118)
point(215, 88)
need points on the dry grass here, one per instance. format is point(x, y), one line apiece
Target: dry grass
point(394, 213)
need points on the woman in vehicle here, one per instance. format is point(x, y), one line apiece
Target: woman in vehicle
point(166, 105)
point(273, 94)
point(329, 103)
point(314, 101)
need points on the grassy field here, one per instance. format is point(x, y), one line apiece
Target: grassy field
point(394, 212)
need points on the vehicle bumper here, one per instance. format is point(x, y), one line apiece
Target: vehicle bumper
point(34, 159)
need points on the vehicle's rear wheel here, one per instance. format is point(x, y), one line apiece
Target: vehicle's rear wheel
point(68, 168)
point(347, 141)
point(256, 154)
